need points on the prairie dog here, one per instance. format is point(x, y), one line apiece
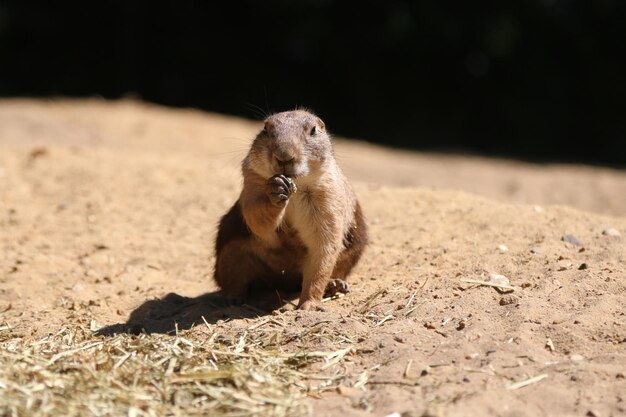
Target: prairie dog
point(297, 223)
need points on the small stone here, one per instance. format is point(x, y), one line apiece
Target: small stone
point(538, 209)
point(583, 266)
point(38, 152)
point(500, 280)
point(508, 300)
point(564, 265)
point(536, 251)
point(572, 239)
point(398, 338)
point(611, 232)
point(576, 357)
point(503, 248)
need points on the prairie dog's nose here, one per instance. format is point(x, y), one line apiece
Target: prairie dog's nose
point(283, 157)
point(284, 164)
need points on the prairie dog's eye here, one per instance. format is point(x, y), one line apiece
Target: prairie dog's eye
point(313, 131)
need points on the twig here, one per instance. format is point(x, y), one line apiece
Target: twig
point(526, 382)
point(389, 317)
point(371, 298)
point(71, 352)
point(410, 384)
point(333, 297)
point(407, 368)
point(488, 284)
point(408, 303)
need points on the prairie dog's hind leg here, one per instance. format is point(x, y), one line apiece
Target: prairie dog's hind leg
point(236, 270)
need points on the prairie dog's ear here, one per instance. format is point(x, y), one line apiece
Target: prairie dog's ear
point(321, 124)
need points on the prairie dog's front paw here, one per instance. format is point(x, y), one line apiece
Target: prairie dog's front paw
point(279, 189)
point(336, 286)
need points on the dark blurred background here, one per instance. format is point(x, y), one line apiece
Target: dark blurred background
point(540, 80)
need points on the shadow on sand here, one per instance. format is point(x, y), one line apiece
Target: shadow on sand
point(164, 315)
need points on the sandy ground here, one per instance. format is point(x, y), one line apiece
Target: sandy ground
point(107, 206)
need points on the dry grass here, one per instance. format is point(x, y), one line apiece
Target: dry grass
point(218, 369)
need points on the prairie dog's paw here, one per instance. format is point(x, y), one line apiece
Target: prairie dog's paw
point(311, 305)
point(279, 189)
point(336, 286)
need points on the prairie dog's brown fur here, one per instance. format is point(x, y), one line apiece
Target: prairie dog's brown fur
point(297, 223)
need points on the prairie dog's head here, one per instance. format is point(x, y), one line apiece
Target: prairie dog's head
point(293, 143)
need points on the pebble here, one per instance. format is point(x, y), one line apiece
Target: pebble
point(508, 300)
point(536, 251)
point(503, 248)
point(564, 265)
point(576, 357)
point(500, 280)
point(572, 239)
point(611, 232)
